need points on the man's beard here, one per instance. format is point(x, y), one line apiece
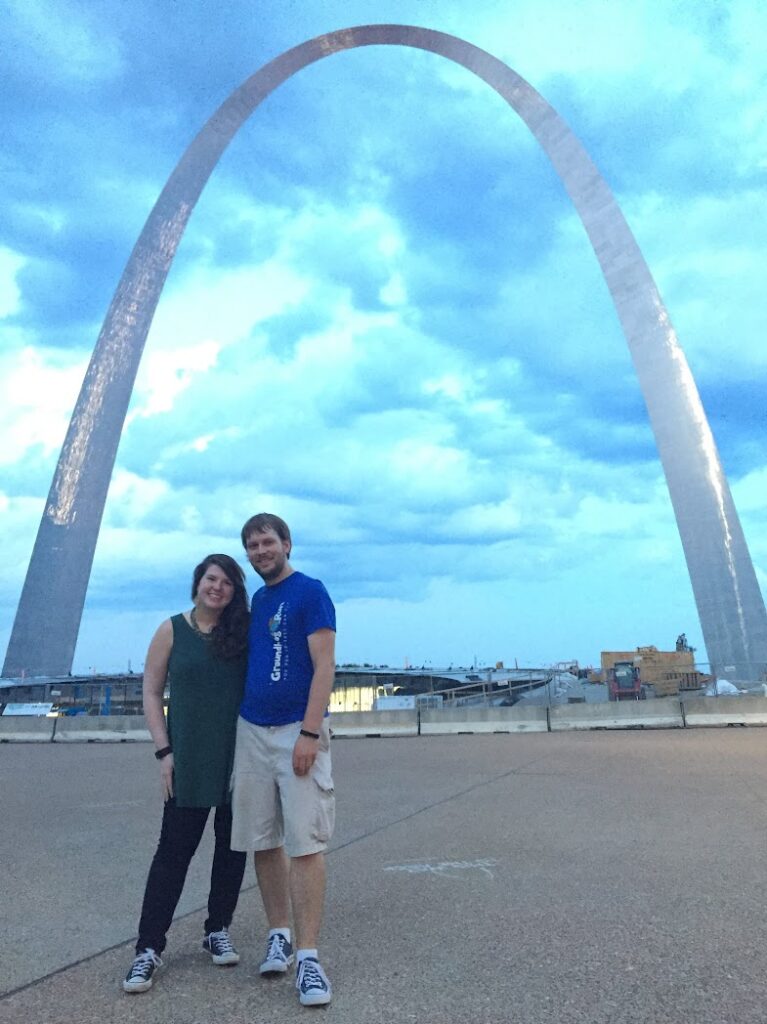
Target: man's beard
point(272, 573)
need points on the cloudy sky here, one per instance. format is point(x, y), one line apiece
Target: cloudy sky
point(384, 321)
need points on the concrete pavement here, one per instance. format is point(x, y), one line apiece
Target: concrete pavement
point(573, 877)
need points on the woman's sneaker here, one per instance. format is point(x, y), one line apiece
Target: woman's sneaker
point(312, 983)
point(139, 977)
point(220, 947)
point(279, 955)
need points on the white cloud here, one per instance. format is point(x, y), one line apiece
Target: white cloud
point(484, 521)
point(68, 42)
point(706, 254)
point(38, 390)
point(10, 265)
point(750, 492)
point(394, 292)
point(166, 373)
point(450, 385)
point(19, 519)
point(132, 498)
point(588, 44)
point(213, 304)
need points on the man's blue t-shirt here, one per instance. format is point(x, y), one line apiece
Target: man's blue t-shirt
point(280, 667)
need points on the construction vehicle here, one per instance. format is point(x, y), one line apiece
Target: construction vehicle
point(624, 682)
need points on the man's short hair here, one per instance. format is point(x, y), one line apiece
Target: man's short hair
point(266, 521)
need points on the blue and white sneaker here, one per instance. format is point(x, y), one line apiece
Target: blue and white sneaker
point(312, 983)
point(139, 977)
point(279, 955)
point(221, 949)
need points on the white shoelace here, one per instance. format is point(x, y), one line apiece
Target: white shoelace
point(276, 948)
point(311, 975)
point(143, 961)
point(223, 941)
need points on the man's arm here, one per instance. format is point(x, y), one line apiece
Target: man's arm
point(322, 650)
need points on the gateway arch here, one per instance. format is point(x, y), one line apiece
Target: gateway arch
point(729, 602)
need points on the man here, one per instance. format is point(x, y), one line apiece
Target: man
point(282, 802)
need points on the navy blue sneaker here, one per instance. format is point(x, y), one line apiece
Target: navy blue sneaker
point(139, 977)
point(312, 983)
point(219, 945)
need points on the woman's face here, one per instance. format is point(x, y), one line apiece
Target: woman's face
point(215, 590)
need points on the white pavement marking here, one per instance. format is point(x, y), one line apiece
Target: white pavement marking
point(445, 867)
point(116, 803)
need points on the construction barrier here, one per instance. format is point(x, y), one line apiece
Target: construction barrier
point(26, 729)
point(442, 721)
point(101, 729)
point(375, 723)
point(725, 711)
point(661, 713)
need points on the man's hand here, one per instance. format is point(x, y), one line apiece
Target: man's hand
point(304, 754)
point(166, 776)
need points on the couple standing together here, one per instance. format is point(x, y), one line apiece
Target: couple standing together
point(260, 756)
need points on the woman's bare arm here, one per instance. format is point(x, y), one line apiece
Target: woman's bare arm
point(155, 677)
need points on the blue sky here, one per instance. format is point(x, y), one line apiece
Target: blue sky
point(385, 321)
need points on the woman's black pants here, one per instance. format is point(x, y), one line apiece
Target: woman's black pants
point(180, 835)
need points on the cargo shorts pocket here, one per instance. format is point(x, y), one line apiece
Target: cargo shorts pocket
point(325, 809)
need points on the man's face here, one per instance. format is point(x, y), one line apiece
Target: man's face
point(268, 555)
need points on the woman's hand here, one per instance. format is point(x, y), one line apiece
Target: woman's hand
point(166, 776)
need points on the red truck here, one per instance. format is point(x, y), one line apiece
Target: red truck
point(623, 681)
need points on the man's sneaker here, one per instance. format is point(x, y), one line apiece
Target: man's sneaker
point(139, 977)
point(220, 947)
point(312, 983)
point(279, 955)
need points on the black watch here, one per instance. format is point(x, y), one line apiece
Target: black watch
point(163, 752)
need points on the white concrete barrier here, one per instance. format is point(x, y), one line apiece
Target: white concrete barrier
point(443, 721)
point(725, 711)
point(26, 729)
point(101, 729)
point(661, 713)
point(375, 723)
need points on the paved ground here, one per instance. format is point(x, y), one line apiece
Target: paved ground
point(586, 877)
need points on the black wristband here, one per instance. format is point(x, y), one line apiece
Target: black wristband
point(311, 735)
point(163, 752)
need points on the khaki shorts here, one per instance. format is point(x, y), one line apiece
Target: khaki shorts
point(271, 805)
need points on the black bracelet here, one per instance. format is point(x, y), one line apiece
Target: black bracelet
point(160, 754)
point(311, 735)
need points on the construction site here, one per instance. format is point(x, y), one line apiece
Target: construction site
point(639, 674)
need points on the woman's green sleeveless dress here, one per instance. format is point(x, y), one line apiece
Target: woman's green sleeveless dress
point(205, 696)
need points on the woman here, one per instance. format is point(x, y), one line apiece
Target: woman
point(202, 655)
